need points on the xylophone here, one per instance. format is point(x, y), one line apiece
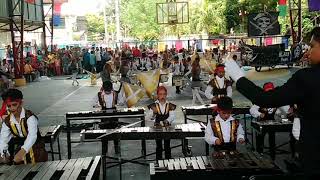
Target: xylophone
point(180, 131)
point(271, 125)
point(208, 108)
point(123, 112)
point(143, 133)
point(137, 112)
point(232, 165)
point(72, 169)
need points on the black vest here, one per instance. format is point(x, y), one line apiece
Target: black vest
point(155, 107)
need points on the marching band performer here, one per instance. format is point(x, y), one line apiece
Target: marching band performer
point(262, 114)
point(196, 81)
point(301, 89)
point(163, 112)
point(177, 69)
point(223, 131)
point(106, 99)
point(20, 127)
point(219, 86)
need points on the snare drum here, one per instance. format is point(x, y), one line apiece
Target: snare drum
point(177, 80)
point(164, 78)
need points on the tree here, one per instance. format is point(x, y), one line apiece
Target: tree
point(95, 24)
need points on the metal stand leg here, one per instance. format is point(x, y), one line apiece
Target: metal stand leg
point(120, 160)
point(51, 147)
point(68, 139)
point(104, 159)
point(143, 142)
point(59, 151)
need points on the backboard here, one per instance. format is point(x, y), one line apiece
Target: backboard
point(173, 13)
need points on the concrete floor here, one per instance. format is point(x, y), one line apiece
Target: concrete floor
point(51, 99)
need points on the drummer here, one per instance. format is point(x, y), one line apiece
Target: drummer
point(177, 69)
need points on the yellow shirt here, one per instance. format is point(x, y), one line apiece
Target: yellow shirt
point(28, 69)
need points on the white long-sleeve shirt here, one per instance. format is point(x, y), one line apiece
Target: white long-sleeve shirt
point(208, 92)
point(6, 134)
point(282, 111)
point(172, 115)
point(225, 129)
point(108, 98)
point(296, 128)
point(177, 69)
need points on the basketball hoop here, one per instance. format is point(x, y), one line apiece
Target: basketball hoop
point(172, 12)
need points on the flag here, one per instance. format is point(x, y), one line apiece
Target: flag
point(133, 94)
point(282, 10)
point(149, 81)
point(56, 20)
point(282, 2)
point(314, 5)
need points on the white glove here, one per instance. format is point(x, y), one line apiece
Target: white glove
point(233, 69)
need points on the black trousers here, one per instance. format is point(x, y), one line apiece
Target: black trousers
point(225, 147)
point(272, 143)
point(159, 149)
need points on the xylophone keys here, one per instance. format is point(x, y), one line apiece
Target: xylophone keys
point(188, 160)
point(205, 160)
point(194, 164)
point(160, 163)
point(61, 165)
point(48, 172)
point(183, 164)
point(200, 163)
point(170, 166)
point(165, 162)
point(176, 165)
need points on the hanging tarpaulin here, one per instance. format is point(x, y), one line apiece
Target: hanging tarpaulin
point(161, 46)
point(215, 42)
point(314, 5)
point(30, 1)
point(268, 41)
point(178, 45)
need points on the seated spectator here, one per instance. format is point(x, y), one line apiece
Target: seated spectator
point(29, 72)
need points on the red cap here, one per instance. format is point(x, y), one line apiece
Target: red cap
point(268, 86)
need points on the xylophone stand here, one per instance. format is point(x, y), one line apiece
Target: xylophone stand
point(104, 158)
point(143, 142)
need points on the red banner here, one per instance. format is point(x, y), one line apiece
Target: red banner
point(30, 1)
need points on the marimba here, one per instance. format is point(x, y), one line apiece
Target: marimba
point(71, 169)
point(271, 127)
point(231, 165)
point(103, 114)
point(180, 131)
point(146, 133)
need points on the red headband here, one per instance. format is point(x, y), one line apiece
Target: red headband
point(3, 109)
point(219, 69)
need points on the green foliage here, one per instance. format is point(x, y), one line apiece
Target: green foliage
point(95, 24)
point(213, 17)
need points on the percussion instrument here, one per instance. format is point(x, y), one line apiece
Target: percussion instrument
point(71, 169)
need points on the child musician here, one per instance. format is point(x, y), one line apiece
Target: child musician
point(106, 99)
point(219, 86)
point(262, 114)
point(20, 128)
point(163, 113)
point(223, 131)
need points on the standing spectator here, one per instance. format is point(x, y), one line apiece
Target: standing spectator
point(28, 72)
point(92, 61)
point(98, 60)
point(65, 63)
point(74, 70)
